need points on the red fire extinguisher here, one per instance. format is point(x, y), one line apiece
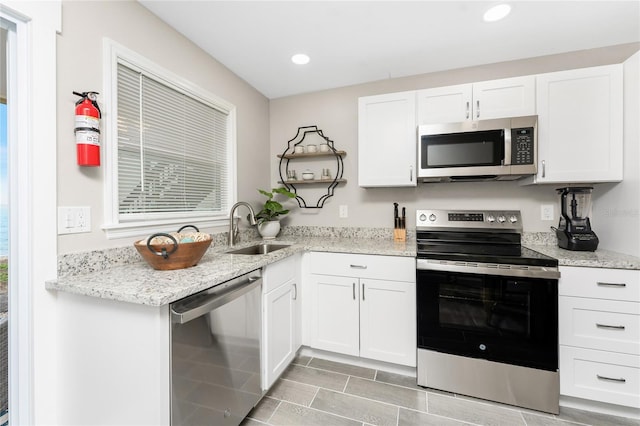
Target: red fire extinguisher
point(87, 129)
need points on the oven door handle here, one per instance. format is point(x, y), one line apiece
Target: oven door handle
point(488, 269)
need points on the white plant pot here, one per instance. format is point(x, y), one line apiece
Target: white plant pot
point(269, 230)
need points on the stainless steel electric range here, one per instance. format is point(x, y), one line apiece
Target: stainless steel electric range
point(487, 309)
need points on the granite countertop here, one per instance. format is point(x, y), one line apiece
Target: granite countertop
point(596, 259)
point(141, 284)
point(138, 283)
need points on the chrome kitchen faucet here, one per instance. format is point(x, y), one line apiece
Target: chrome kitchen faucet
point(233, 226)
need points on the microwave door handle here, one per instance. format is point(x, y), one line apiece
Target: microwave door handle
point(506, 161)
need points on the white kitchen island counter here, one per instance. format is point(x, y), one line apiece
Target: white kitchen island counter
point(114, 347)
point(140, 283)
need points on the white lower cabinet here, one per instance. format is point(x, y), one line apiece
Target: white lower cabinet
point(354, 313)
point(599, 333)
point(388, 321)
point(335, 314)
point(602, 376)
point(281, 317)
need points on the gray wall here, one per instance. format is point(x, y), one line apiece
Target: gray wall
point(335, 112)
point(265, 126)
point(84, 24)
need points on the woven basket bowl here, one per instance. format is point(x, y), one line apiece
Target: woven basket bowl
point(185, 256)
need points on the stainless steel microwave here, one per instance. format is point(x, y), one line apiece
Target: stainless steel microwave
point(499, 149)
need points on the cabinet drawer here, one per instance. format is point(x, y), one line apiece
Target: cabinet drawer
point(394, 268)
point(613, 284)
point(276, 274)
point(601, 376)
point(600, 324)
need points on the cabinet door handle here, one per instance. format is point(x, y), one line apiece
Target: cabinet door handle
point(358, 266)
point(615, 327)
point(295, 291)
point(478, 109)
point(601, 284)
point(410, 173)
point(611, 379)
point(354, 291)
point(363, 292)
point(544, 169)
point(467, 110)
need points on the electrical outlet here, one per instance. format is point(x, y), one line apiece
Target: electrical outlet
point(73, 220)
point(344, 211)
point(546, 212)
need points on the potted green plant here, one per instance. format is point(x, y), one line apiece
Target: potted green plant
point(268, 217)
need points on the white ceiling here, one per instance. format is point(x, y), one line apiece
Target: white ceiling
point(352, 42)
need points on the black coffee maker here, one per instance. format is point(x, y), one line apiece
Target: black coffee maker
point(574, 231)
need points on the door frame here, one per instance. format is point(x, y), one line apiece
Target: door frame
point(31, 110)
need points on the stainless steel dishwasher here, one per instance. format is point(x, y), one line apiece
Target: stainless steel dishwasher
point(215, 353)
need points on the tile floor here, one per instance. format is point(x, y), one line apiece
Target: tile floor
point(314, 391)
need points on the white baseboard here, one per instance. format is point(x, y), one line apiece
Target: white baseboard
point(361, 362)
point(599, 407)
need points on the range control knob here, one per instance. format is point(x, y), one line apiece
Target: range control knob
point(422, 217)
point(491, 219)
point(432, 217)
point(502, 219)
point(513, 219)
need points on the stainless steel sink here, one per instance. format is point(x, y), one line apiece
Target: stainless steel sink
point(263, 248)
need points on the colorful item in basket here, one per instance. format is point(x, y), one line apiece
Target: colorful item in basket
point(181, 237)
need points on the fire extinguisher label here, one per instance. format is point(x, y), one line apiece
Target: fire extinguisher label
point(87, 121)
point(87, 137)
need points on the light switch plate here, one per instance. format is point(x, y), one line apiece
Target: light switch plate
point(344, 211)
point(73, 220)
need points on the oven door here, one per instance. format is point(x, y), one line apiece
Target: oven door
point(512, 320)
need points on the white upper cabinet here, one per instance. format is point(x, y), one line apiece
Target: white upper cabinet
point(509, 97)
point(387, 140)
point(450, 104)
point(580, 114)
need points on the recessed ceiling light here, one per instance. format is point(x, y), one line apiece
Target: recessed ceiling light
point(496, 13)
point(300, 59)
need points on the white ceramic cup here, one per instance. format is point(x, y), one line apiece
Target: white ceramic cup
point(298, 149)
point(312, 148)
point(324, 147)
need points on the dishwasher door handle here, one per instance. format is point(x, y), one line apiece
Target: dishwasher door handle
point(200, 304)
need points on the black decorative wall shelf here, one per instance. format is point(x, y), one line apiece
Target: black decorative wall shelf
point(290, 154)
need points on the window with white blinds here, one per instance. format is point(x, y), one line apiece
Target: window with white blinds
point(173, 152)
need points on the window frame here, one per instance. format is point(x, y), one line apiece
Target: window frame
point(114, 53)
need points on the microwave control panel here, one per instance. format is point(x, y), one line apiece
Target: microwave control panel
point(522, 146)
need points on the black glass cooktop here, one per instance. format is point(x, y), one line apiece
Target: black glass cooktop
point(525, 257)
point(482, 248)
